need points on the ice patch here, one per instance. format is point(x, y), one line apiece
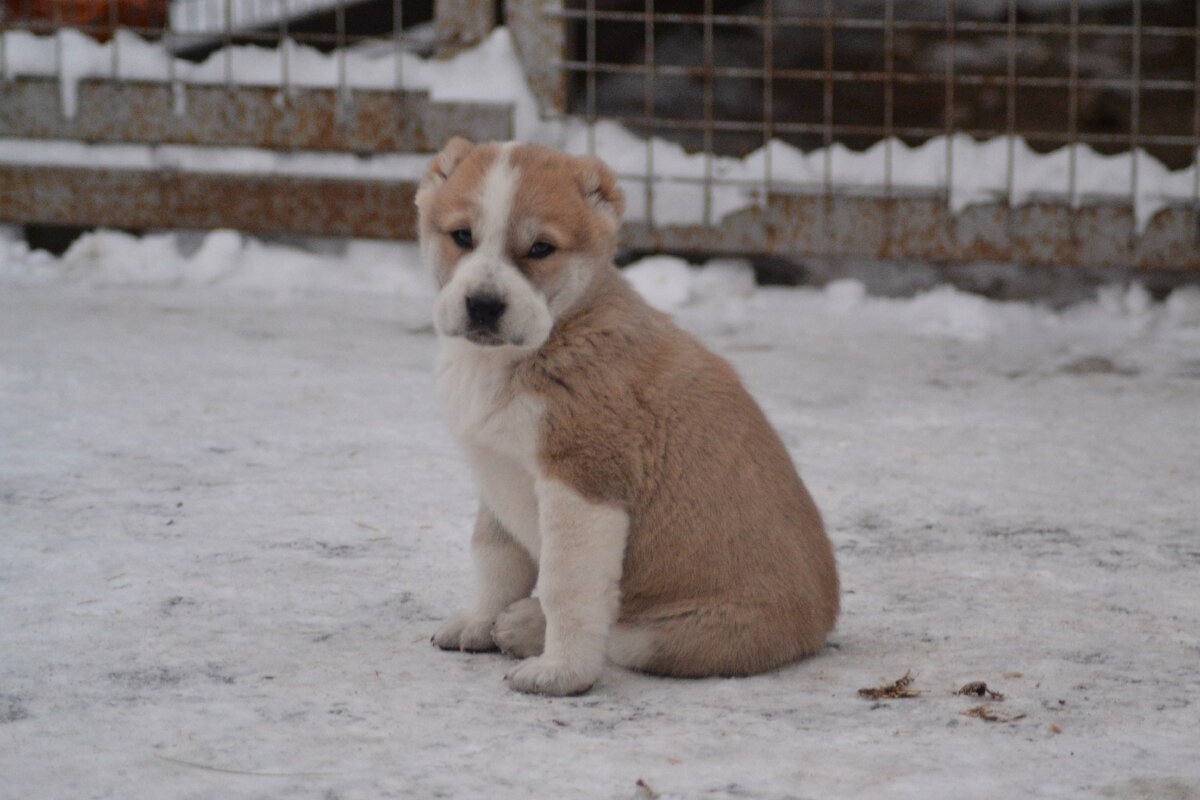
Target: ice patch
point(669, 283)
point(724, 279)
point(722, 289)
point(221, 258)
point(1183, 307)
point(844, 296)
point(113, 257)
point(664, 281)
point(1131, 302)
point(947, 312)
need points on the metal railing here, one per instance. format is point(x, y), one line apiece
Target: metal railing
point(1103, 97)
point(1064, 132)
point(271, 116)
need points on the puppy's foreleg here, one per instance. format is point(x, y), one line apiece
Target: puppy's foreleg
point(504, 573)
point(582, 549)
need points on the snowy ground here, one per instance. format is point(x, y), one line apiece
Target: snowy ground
point(232, 518)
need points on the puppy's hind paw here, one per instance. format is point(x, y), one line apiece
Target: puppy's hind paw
point(520, 630)
point(462, 632)
point(550, 676)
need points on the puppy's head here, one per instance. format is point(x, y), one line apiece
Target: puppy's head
point(513, 234)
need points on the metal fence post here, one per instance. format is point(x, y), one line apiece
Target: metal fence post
point(462, 24)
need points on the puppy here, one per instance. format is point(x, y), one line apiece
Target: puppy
point(623, 471)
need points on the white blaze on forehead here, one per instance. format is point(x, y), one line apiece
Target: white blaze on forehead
point(495, 203)
point(487, 268)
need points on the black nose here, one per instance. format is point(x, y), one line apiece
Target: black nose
point(485, 310)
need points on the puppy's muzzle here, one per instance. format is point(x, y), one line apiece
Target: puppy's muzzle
point(484, 312)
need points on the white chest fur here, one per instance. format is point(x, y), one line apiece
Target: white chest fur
point(498, 430)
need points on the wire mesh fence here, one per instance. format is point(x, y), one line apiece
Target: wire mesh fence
point(272, 116)
point(1108, 92)
point(733, 76)
point(1049, 131)
point(195, 29)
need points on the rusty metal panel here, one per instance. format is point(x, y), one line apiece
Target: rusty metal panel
point(317, 119)
point(727, 81)
point(1117, 76)
point(262, 204)
point(539, 35)
point(462, 24)
point(1097, 236)
point(924, 228)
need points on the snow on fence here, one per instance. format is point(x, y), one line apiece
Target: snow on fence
point(1037, 131)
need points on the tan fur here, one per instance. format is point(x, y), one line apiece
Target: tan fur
point(726, 567)
point(727, 558)
point(557, 201)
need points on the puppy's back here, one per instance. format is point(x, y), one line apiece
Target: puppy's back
point(727, 568)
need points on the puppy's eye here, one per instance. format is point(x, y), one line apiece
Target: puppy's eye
point(462, 238)
point(540, 250)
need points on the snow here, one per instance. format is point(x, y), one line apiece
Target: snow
point(232, 518)
point(487, 73)
point(968, 171)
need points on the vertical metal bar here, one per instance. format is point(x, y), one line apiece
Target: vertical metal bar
point(827, 105)
point(1010, 113)
point(949, 120)
point(462, 24)
point(285, 52)
point(648, 107)
point(398, 36)
point(889, 113)
point(1196, 136)
point(227, 10)
point(343, 91)
point(59, 65)
point(590, 75)
point(1073, 115)
point(709, 70)
point(1135, 105)
point(177, 91)
point(889, 90)
point(114, 42)
point(768, 98)
point(187, 10)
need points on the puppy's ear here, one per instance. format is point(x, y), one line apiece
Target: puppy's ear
point(600, 189)
point(443, 164)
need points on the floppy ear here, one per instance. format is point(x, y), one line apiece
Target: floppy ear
point(599, 188)
point(440, 168)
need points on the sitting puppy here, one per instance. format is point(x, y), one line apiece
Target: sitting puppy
point(623, 470)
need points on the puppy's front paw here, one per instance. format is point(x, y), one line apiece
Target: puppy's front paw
point(520, 630)
point(463, 632)
point(552, 676)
